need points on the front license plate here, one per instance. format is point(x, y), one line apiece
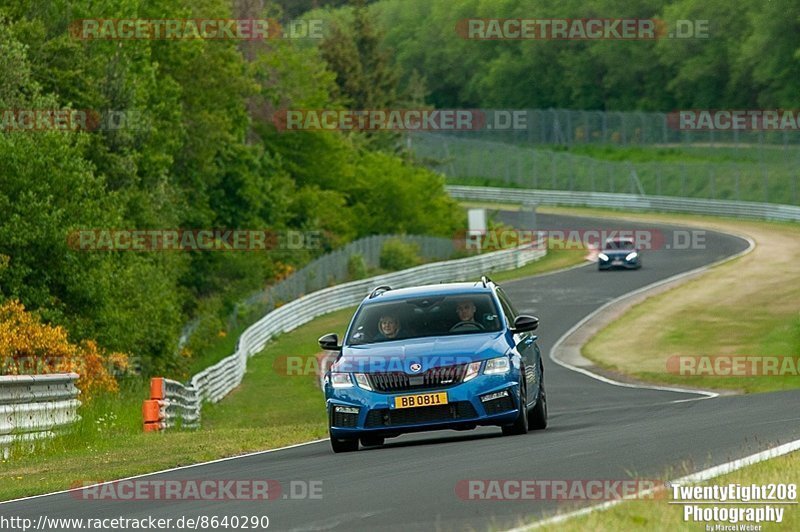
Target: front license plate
point(617, 262)
point(423, 399)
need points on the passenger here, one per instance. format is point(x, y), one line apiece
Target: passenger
point(388, 328)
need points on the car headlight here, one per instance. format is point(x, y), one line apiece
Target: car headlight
point(472, 371)
point(496, 366)
point(632, 255)
point(363, 381)
point(341, 380)
point(602, 256)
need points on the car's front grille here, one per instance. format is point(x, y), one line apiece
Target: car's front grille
point(385, 417)
point(433, 378)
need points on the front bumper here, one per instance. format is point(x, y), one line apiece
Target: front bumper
point(614, 262)
point(377, 415)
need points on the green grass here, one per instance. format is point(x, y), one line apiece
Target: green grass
point(216, 350)
point(688, 153)
point(746, 174)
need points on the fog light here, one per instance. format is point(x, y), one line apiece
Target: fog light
point(346, 409)
point(493, 396)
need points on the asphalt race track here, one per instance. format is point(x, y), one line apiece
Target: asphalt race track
point(597, 431)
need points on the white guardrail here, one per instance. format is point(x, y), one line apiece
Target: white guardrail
point(737, 209)
point(173, 403)
point(35, 406)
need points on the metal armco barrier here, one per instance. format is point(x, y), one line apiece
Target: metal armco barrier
point(171, 405)
point(215, 382)
point(35, 406)
point(737, 209)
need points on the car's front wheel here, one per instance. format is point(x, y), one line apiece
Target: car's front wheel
point(340, 445)
point(520, 425)
point(537, 419)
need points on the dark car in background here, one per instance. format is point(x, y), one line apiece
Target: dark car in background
point(619, 253)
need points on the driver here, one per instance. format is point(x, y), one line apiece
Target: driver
point(388, 327)
point(466, 312)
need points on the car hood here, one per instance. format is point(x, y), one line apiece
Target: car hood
point(404, 355)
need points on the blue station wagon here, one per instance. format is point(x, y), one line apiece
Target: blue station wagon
point(446, 356)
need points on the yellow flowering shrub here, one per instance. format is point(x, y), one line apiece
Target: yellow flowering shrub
point(30, 347)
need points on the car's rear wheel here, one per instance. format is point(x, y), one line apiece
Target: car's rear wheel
point(340, 445)
point(520, 425)
point(537, 419)
point(372, 441)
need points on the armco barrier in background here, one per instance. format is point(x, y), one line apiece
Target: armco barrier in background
point(215, 382)
point(737, 209)
point(171, 405)
point(35, 406)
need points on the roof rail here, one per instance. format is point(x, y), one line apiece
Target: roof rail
point(485, 281)
point(379, 290)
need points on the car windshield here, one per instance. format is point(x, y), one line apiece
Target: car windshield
point(619, 244)
point(418, 317)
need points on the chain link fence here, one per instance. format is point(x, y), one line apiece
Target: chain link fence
point(334, 268)
point(770, 178)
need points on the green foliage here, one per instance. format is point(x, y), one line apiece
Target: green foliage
point(390, 197)
point(366, 74)
point(750, 59)
point(397, 254)
point(356, 267)
point(206, 157)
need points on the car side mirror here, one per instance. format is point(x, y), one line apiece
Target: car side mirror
point(525, 323)
point(330, 342)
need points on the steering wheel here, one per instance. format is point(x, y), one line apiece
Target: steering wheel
point(467, 326)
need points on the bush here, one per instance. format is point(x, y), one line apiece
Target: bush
point(29, 347)
point(397, 254)
point(356, 267)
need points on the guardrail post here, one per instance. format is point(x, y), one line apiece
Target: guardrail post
point(157, 390)
point(152, 416)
